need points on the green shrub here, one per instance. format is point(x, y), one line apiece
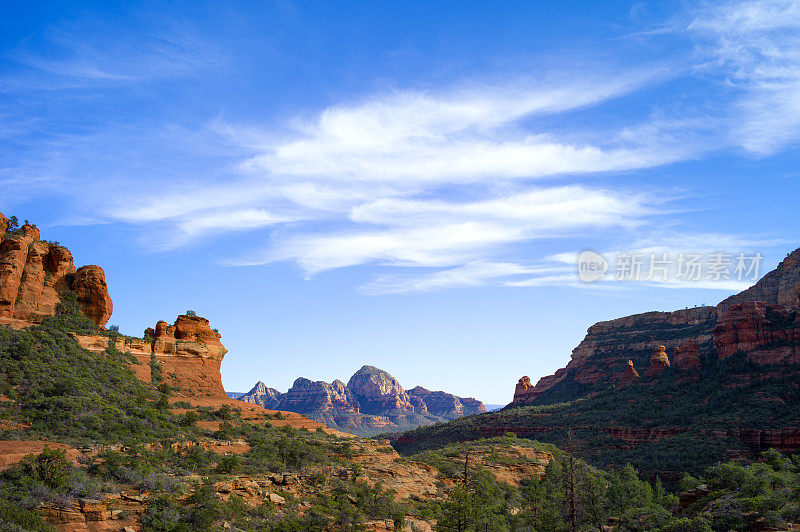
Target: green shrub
point(14, 517)
point(70, 394)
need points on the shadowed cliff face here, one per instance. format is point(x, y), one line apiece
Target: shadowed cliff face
point(761, 321)
point(371, 402)
point(35, 273)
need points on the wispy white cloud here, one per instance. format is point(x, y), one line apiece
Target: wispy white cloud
point(87, 53)
point(230, 221)
point(471, 274)
point(755, 46)
point(461, 136)
point(438, 233)
point(453, 179)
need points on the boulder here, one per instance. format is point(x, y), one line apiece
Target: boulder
point(274, 498)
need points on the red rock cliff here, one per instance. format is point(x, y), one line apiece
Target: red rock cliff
point(762, 321)
point(34, 273)
point(770, 334)
point(189, 353)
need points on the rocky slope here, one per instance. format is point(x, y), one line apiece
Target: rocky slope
point(667, 391)
point(34, 274)
point(371, 402)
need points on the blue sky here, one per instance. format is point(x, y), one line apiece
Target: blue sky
point(402, 184)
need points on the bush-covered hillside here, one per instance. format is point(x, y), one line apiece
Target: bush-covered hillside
point(697, 413)
point(572, 495)
point(69, 394)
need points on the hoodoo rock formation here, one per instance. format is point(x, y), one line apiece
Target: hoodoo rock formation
point(89, 284)
point(630, 375)
point(34, 274)
point(371, 402)
point(658, 362)
point(523, 390)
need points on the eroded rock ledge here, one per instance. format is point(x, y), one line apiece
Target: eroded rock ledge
point(188, 354)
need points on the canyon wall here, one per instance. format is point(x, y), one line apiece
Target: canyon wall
point(761, 321)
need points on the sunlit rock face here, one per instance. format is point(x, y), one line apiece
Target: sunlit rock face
point(372, 401)
point(34, 274)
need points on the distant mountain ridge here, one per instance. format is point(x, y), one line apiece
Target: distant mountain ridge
point(371, 402)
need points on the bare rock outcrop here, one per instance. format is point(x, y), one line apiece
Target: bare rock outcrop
point(186, 355)
point(523, 390)
point(630, 375)
point(770, 334)
point(34, 274)
point(89, 283)
point(658, 362)
point(781, 286)
point(687, 356)
point(189, 336)
point(189, 353)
